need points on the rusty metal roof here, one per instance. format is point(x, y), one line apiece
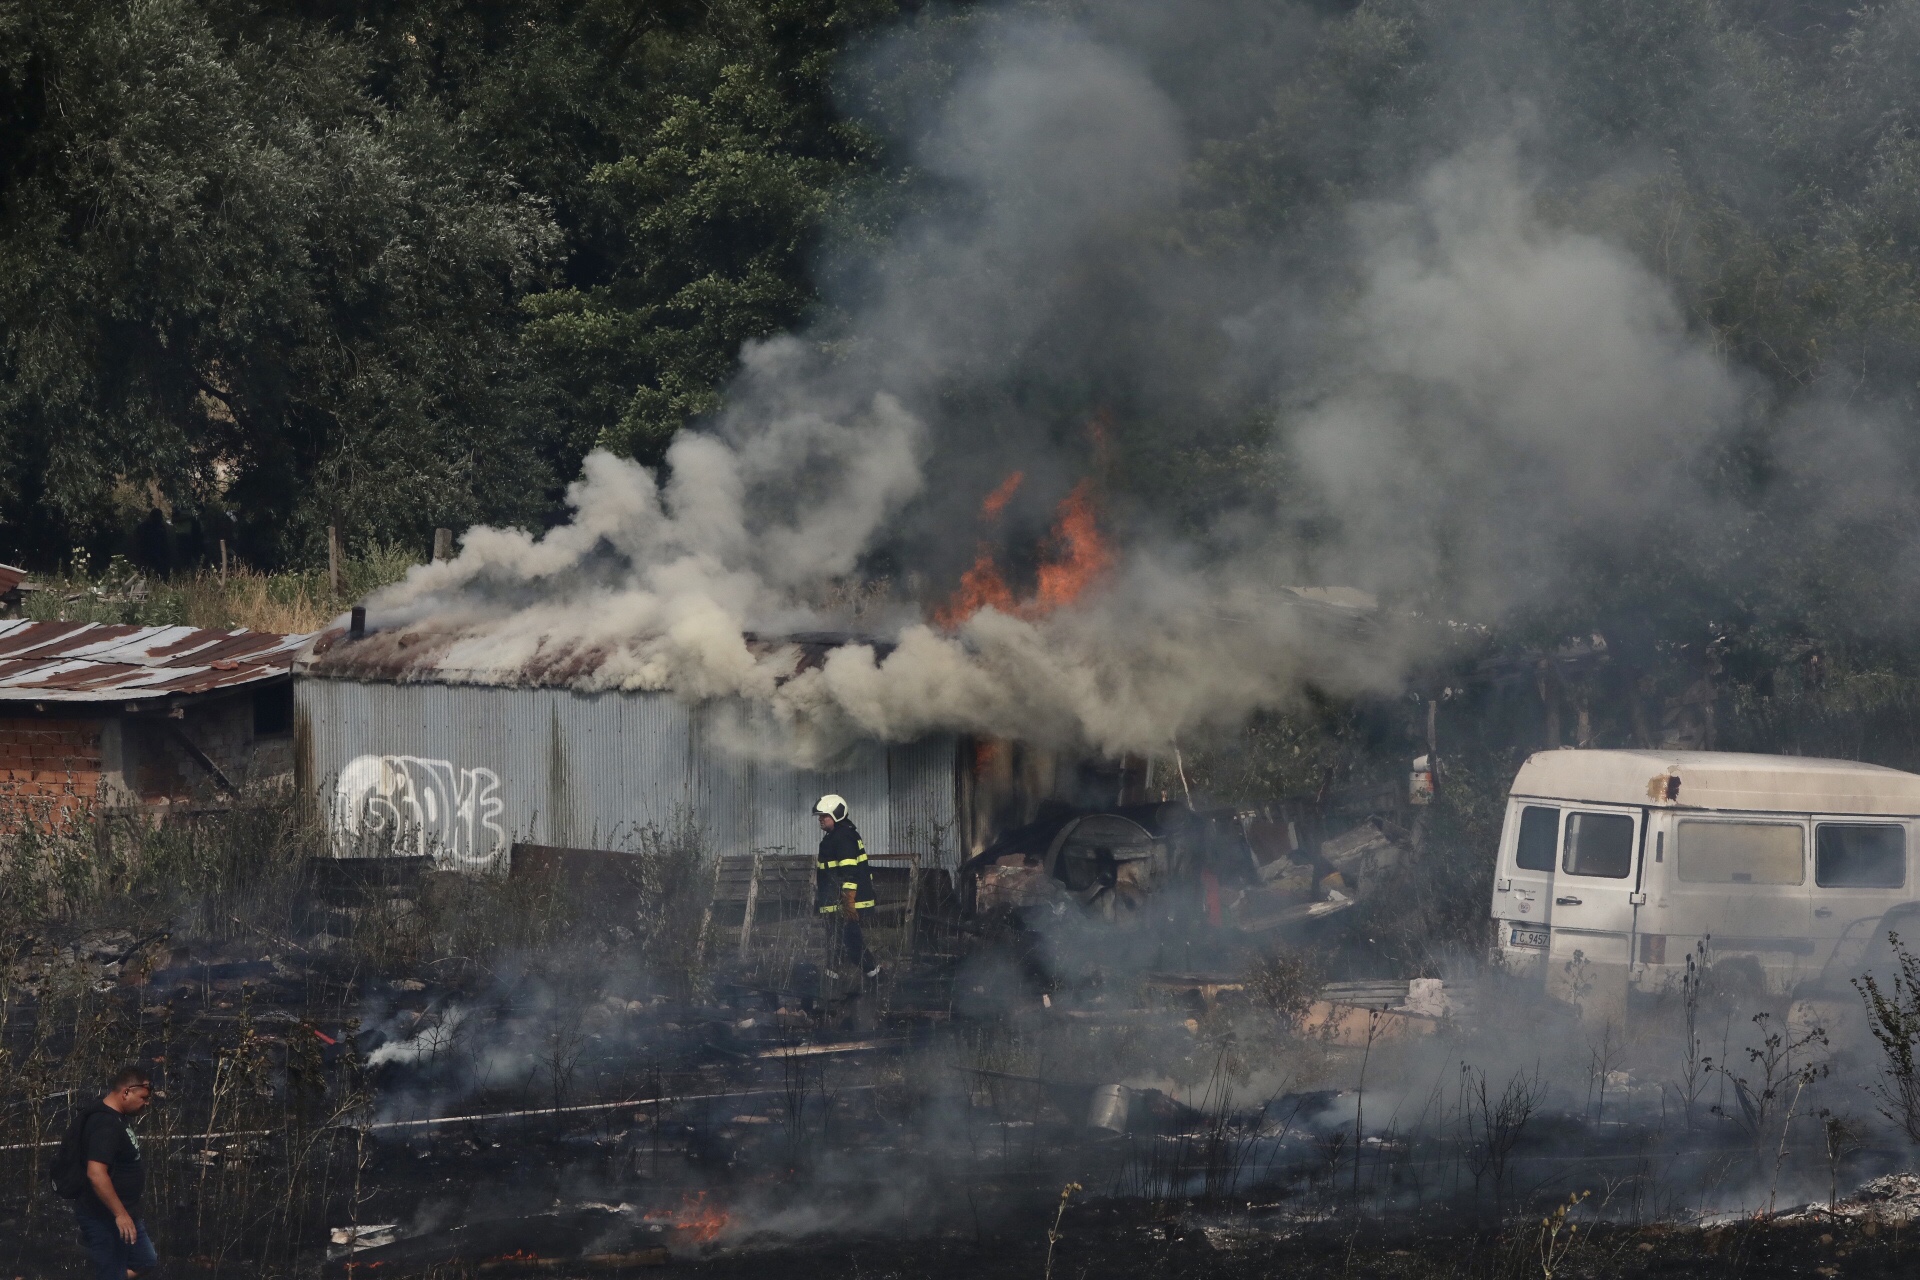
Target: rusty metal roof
point(417, 655)
point(97, 662)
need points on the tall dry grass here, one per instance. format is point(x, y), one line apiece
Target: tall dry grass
point(283, 603)
point(256, 601)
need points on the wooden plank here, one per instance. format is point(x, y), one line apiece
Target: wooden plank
point(753, 900)
point(605, 875)
point(784, 879)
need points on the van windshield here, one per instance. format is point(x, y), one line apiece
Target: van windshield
point(1599, 844)
point(1860, 855)
point(1740, 853)
point(1539, 833)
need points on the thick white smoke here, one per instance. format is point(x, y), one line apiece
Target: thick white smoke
point(1492, 388)
point(1509, 392)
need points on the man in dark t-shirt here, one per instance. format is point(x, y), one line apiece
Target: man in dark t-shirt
point(108, 1209)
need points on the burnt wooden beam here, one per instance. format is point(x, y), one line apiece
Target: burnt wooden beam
point(202, 759)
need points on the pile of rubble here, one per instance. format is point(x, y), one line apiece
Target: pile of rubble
point(1891, 1199)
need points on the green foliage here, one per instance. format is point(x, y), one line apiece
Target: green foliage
point(389, 269)
point(690, 155)
point(1285, 984)
point(1893, 1016)
point(235, 278)
point(1326, 743)
point(711, 216)
point(205, 876)
point(294, 600)
point(395, 266)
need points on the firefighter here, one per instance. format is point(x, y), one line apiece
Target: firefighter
point(843, 885)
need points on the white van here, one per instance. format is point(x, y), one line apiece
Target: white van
point(1615, 865)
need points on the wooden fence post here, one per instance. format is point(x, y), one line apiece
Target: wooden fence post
point(442, 545)
point(753, 900)
point(913, 898)
point(333, 558)
point(706, 919)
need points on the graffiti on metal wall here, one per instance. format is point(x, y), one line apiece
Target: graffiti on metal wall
point(408, 804)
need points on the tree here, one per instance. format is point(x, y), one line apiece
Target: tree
point(234, 280)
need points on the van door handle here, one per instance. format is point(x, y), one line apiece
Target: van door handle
point(1566, 902)
point(1823, 912)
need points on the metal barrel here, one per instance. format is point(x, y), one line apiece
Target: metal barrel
point(1109, 1108)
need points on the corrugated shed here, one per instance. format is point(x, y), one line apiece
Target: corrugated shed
point(923, 807)
point(465, 770)
point(92, 662)
point(419, 652)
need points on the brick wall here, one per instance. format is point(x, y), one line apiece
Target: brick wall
point(49, 772)
point(52, 772)
point(161, 771)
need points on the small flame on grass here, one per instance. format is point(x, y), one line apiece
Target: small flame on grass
point(695, 1220)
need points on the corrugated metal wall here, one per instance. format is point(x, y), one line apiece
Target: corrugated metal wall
point(465, 770)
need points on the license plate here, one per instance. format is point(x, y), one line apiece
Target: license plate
point(1529, 936)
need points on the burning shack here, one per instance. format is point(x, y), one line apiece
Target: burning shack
point(403, 754)
point(533, 768)
point(147, 719)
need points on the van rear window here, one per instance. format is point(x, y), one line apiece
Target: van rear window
point(1860, 855)
point(1539, 833)
point(1740, 853)
point(1599, 844)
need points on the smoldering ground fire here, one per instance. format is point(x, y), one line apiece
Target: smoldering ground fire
point(630, 1084)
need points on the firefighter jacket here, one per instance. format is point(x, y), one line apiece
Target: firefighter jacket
point(842, 864)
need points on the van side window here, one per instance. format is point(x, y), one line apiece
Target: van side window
point(1599, 844)
point(1539, 833)
point(1740, 853)
point(1860, 855)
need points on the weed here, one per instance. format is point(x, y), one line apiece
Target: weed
point(1496, 1123)
point(1286, 983)
point(1694, 1066)
point(1053, 1232)
point(1894, 1018)
point(1842, 1136)
point(1558, 1236)
point(284, 602)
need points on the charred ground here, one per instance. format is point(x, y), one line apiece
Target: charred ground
point(454, 1076)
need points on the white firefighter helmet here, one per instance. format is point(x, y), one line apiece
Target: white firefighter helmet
point(833, 807)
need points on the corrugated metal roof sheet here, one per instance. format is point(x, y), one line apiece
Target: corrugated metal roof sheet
point(417, 654)
point(98, 662)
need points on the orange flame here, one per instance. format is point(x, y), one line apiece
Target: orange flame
point(696, 1221)
point(981, 587)
point(1074, 557)
point(1084, 557)
point(997, 500)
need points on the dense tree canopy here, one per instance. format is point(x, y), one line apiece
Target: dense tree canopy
point(400, 264)
point(389, 266)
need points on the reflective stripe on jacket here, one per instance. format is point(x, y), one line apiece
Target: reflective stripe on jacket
point(842, 864)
